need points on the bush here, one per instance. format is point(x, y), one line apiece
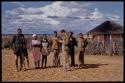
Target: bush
point(6, 42)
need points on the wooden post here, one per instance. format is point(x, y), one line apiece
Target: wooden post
point(121, 37)
point(110, 47)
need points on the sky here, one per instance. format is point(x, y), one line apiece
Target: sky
point(39, 17)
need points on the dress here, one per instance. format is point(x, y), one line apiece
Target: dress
point(36, 50)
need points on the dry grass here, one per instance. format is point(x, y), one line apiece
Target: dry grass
point(97, 68)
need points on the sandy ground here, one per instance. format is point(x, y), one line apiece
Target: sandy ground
point(97, 68)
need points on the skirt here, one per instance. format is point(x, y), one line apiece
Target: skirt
point(36, 53)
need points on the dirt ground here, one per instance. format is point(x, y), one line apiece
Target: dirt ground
point(97, 68)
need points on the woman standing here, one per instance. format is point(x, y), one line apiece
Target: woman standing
point(36, 50)
point(45, 49)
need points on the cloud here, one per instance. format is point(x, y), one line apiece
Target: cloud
point(96, 14)
point(75, 16)
point(56, 9)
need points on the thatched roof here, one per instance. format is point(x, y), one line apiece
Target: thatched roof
point(108, 27)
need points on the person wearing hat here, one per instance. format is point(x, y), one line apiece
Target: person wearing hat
point(18, 45)
point(36, 47)
point(81, 45)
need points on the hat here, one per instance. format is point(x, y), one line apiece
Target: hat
point(34, 35)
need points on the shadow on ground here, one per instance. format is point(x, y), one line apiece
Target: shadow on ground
point(85, 66)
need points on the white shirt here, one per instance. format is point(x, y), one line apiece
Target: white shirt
point(36, 42)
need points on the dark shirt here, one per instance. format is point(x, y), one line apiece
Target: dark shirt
point(72, 44)
point(18, 43)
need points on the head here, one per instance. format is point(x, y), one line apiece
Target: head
point(44, 36)
point(55, 33)
point(70, 33)
point(34, 36)
point(19, 31)
point(62, 32)
point(81, 35)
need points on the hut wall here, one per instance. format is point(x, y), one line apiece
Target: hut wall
point(99, 37)
point(116, 37)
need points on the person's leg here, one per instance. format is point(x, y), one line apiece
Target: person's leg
point(79, 58)
point(35, 65)
point(72, 60)
point(16, 62)
point(27, 61)
point(58, 58)
point(21, 65)
point(42, 60)
point(67, 61)
point(54, 56)
point(23, 58)
point(64, 63)
point(45, 61)
point(82, 57)
point(38, 64)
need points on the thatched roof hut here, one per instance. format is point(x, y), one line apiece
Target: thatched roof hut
point(108, 27)
point(108, 30)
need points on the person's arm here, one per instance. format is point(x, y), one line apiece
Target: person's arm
point(61, 41)
point(50, 43)
point(85, 43)
point(41, 46)
point(25, 43)
point(13, 40)
point(13, 44)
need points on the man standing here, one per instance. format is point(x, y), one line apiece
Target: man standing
point(82, 43)
point(72, 44)
point(18, 45)
point(56, 49)
point(65, 36)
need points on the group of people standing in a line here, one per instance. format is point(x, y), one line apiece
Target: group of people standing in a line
point(64, 41)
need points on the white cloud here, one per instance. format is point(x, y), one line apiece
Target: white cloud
point(31, 10)
point(96, 14)
point(74, 16)
point(112, 17)
point(56, 9)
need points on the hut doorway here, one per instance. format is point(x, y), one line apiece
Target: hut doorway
point(107, 43)
point(106, 39)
